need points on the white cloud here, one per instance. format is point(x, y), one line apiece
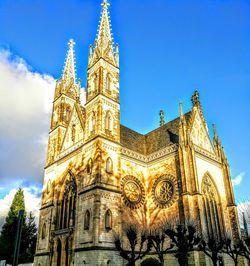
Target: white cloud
point(25, 107)
point(238, 179)
point(32, 199)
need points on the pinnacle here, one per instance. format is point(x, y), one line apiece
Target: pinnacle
point(69, 68)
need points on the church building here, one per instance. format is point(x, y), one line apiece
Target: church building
point(99, 173)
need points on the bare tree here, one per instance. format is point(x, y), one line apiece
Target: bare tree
point(246, 249)
point(234, 250)
point(135, 246)
point(212, 247)
point(184, 238)
point(159, 243)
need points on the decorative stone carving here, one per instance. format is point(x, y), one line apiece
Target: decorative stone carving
point(164, 191)
point(133, 192)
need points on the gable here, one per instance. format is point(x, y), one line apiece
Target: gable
point(199, 134)
point(75, 131)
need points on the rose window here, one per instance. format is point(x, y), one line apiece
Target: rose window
point(132, 192)
point(164, 191)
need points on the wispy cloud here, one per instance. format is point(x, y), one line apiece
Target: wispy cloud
point(238, 179)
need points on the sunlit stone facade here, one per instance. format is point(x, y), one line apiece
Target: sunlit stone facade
point(100, 173)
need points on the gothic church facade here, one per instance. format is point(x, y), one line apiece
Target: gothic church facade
point(99, 173)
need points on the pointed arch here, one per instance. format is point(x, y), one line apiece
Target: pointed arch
point(44, 231)
point(108, 220)
point(87, 220)
point(212, 211)
point(108, 82)
point(89, 166)
point(108, 121)
point(67, 203)
point(109, 165)
point(92, 123)
point(96, 81)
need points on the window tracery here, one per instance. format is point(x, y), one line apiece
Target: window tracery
point(212, 208)
point(66, 207)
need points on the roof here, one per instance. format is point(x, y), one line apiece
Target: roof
point(153, 141)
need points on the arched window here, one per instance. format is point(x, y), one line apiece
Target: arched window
point(109, 165)
point(92, 123)
point(95, 82)
point(108, 121)
point(67, 114)
point(108, 220)
point(212, 208)
point(108, 83)
point(44, 231)
point(89, 166)
point(66, 207)
point(87, 220)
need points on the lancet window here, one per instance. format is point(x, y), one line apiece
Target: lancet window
point(109, 166)
point(44, 231)
point(87, 220)
point(108, 122)
point(108, 220)
point(92, 123)
point(212, 208)
point(95, 83)
point(67, 205)
point(108, 82)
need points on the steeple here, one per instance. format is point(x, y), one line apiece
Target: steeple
point(104, 41)
point(67, 83)
point(69, 68)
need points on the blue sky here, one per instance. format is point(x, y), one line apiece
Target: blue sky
point(167, 50)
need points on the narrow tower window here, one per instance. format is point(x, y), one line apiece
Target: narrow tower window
point(108, 121)
point(109, 166)
point(87, 220)
point(89, 166)
point(108, 83)
point(108, 220)
point(44, 231)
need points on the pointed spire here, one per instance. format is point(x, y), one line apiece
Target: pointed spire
point(217, 144)
point(104, 37)
point(69, 68)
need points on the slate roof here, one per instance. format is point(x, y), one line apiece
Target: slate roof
point(153, 141)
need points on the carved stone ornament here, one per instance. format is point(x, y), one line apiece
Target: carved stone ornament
point(133, 192)
point(164, 191)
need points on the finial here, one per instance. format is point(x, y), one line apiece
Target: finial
point(71, 43)
point(195, 99)
point(162, 122)
point(105, 3)
point(181, 109)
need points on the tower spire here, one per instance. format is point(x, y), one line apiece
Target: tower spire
point(69, 68)
point(103, 47)
point(104, 37)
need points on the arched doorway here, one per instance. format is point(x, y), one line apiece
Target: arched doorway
point(59, 252)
